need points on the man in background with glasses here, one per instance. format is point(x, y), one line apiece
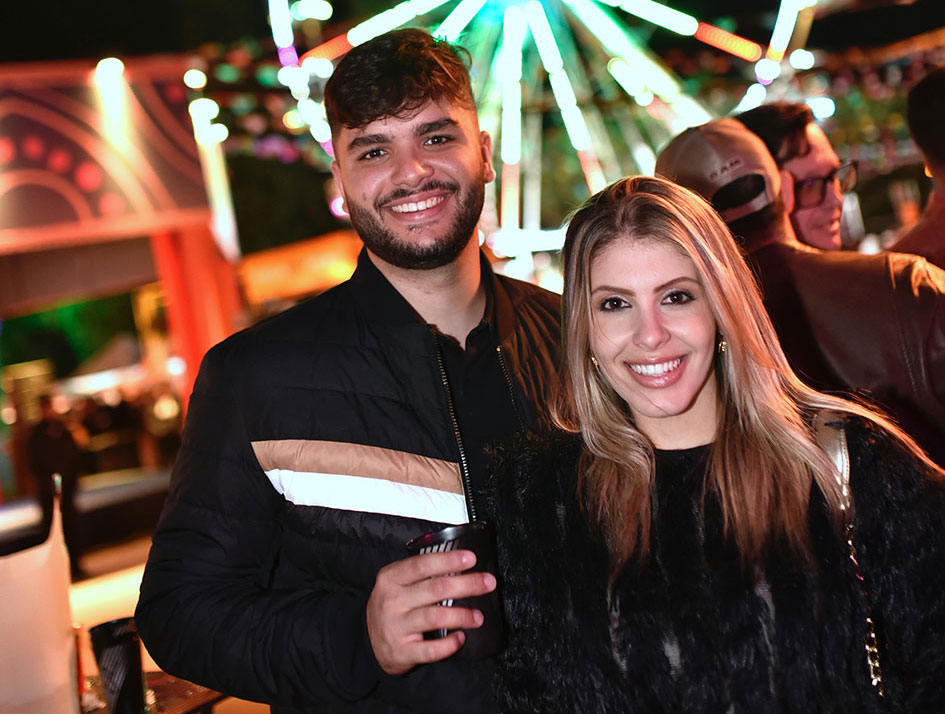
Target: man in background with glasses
point(813, 179)
point(873, 324)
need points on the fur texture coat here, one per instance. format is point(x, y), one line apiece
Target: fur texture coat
point(689, 631)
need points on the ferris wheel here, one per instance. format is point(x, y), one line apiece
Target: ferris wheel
point(563, 87)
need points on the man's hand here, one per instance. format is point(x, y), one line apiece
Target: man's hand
point(403, 605)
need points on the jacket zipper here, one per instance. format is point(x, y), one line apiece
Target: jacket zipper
point(508, 383)
point(465, 478)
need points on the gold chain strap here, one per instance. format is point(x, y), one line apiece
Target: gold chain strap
point(872, 643)
point(832, 437)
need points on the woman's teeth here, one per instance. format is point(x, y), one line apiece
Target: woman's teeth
point(655, 370)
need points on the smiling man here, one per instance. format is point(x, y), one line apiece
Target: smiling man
point(813, 179)
point(319, 442)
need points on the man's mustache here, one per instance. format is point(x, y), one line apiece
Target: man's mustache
point(402, 193)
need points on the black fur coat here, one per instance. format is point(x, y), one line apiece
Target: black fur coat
point(689, 632)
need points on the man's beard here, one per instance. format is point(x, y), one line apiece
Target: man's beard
point(443, 250)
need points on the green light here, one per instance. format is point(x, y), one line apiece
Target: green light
point(618, 43)
point(457, 20)
point(544, 38)
point(267, 75)
point(226, 73)
point(380, 23)
point(658, 14)
point(242, 104)
point(386, 21)
point(513, 34)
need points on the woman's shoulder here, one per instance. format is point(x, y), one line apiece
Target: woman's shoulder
point(883, 468)
point(531, 453)
point(536, 467)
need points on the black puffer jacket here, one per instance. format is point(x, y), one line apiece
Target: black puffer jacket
point(689, 631)
point(317, 443)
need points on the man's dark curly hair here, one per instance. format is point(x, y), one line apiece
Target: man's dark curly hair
point(782, 126)
point(925, 114)
point(393, 76)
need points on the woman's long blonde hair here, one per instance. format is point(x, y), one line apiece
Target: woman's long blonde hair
point(764, 457)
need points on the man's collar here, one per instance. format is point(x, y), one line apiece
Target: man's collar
point(377, 297)
point(380, 299)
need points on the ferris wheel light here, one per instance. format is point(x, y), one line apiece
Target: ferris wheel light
point(335, 47)
point(195, 79)
point(311, 111)
point(767, 70)
point(662, 15)
point(755, 96)
point(318, 66)
point(616, 41)
point(626, 77)
point(203, 109)
point(457, 20)
point(288, 57)
point(280, 19)
point(320, 130)
point(801, 59)
point(728, 42)
point(380, 23)
point(608, 32)
point(783, 28)
point(108, 71)
point(422, 7)
point(312, 10)
point(544, 38)
point(821, 107)
point(513, 35)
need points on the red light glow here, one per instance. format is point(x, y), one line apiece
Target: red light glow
point(33, 147)
point(59, 161)
point(88, 177)
point(7, 150)
point(335, 47)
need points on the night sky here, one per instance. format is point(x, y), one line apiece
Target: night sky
point(91, 29)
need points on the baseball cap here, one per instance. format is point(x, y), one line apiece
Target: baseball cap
point(709, 157)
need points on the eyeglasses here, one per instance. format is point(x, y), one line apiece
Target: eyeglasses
point(811, 192)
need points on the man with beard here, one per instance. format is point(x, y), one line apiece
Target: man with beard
point(320, 441)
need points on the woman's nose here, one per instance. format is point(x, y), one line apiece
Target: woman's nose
point(650, 332)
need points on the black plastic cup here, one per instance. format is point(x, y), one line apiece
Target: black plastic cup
point(479, 537)
point(118, 654)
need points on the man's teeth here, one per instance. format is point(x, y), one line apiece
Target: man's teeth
point(418, 206)
point(656, 370)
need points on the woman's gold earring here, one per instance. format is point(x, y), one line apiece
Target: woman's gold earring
point(594, 361)
point(722, 346)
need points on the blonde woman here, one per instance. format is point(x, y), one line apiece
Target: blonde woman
point(680, 544)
